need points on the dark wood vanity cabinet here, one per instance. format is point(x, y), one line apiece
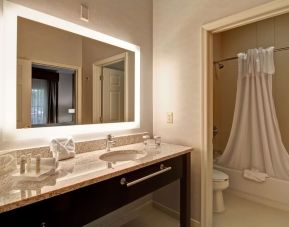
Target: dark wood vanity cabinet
point(81, 206)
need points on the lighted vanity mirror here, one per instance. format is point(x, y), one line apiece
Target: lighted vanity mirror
point(67, 79)
point(83, 108)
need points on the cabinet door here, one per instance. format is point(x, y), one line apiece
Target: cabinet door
point(53, 212)
point(95, 201)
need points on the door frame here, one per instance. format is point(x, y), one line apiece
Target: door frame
point(97, 85)
point(262, 12)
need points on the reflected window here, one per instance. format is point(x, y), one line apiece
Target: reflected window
point(52, 95)
point(39, 107)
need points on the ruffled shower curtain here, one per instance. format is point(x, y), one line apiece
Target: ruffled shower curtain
point(255, 141)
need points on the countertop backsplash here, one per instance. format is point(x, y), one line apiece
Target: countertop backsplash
point(81, 147)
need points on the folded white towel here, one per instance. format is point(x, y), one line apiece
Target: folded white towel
point(63, 148)
point(255, 175)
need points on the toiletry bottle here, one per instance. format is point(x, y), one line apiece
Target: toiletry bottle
point(158, 140)
point(22, 164)
point(145, 141)
point(37, 166)
point(28, 163)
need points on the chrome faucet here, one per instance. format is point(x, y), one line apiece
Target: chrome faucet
point(109, 142)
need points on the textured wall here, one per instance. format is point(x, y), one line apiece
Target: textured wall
point(177, 75)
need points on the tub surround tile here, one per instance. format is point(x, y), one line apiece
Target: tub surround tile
point(83, 170)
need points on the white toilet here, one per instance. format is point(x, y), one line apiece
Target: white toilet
point(220, 183)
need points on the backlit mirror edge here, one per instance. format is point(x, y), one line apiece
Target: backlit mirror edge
point(10, 133)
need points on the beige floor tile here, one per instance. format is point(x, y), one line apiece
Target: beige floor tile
point(152, 217)
point(239, 213)
point(244, 213)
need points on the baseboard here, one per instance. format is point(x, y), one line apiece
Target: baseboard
point(122, 215)
point(173, 213)
point(261, 200)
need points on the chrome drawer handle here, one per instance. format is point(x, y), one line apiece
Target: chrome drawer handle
point(129, 184)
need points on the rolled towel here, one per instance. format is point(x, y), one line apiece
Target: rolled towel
point(63, 148)
point(255, 175)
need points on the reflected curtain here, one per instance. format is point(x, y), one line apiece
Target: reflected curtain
point(52, 102)
point(39, 105)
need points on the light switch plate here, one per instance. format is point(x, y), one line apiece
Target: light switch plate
point(170, 117)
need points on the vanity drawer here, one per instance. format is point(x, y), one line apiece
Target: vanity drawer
point(114, 193)
point(52, 212)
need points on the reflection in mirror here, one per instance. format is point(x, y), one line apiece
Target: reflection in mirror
point(52, 98)
point(67, 79)
point(112, 92)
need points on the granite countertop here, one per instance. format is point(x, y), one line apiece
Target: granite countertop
point(83, 170)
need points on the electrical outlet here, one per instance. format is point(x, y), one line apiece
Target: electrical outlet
point(170, 117)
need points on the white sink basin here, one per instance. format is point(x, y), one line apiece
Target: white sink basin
point(122, 155)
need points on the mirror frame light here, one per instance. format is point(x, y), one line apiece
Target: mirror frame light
point(10, 133)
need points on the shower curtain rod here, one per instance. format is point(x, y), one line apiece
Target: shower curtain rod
point(232, 58)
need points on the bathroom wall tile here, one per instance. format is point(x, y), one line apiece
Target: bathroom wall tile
point(281, 31)
point(238, 40)
point(266, 33)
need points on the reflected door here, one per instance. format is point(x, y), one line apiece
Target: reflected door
point(112, 95)
point(23, 93)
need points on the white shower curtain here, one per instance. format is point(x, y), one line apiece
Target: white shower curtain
point(255, 140)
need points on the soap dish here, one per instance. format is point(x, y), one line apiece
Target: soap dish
point(45, 172)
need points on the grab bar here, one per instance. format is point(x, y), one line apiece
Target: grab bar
point(129, 184)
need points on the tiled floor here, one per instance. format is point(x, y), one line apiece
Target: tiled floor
point(244, 213)
point(152, 217)
point(144, 216)
point(239, 213)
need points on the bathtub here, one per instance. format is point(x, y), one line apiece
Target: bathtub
point(273, 192)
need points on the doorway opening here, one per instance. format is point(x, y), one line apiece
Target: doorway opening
point(250, 16)
point(113, 90)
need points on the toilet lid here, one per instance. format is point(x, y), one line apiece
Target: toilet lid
point(219, 176)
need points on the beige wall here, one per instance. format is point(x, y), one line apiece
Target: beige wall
point(129, 20)
point(177, 76)
point(44, 43)
point(1, 63)
point(270, 32)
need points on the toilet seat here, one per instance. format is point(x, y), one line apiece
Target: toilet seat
point(219, 176)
